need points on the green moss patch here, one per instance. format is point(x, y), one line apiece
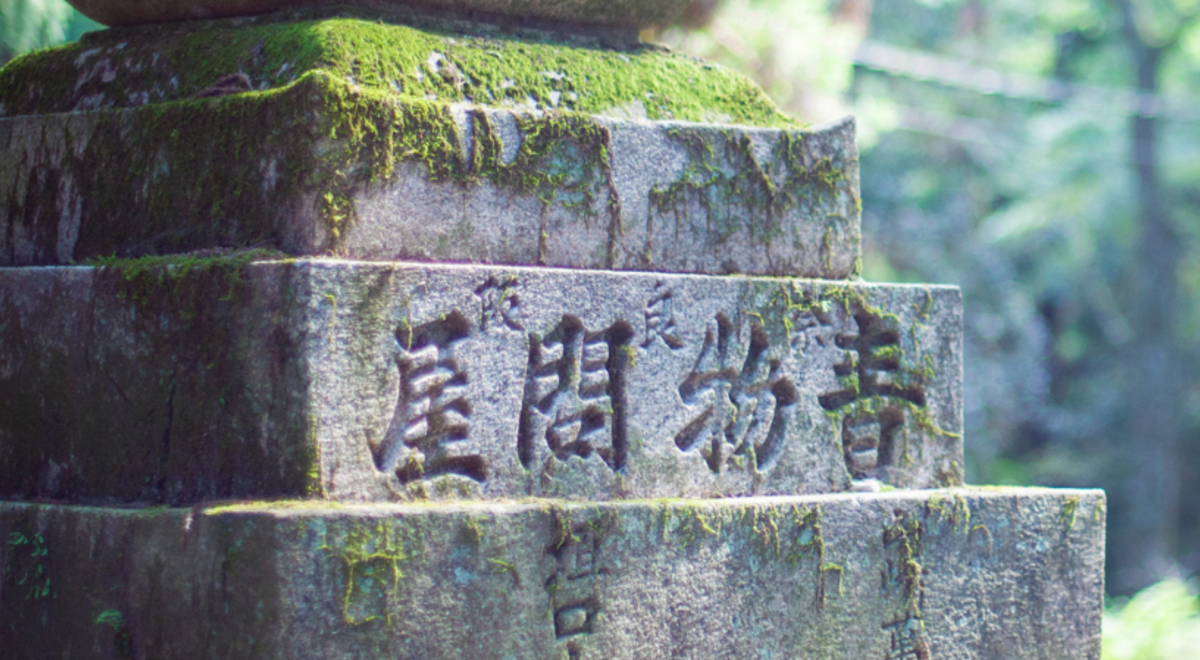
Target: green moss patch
point(903, 542)
point(25, 569)
point(163, 279)
point(241, 170)
point(130, 67)
point(739, 192)
point(336, 104)
point(373, 557)
point(795, 533)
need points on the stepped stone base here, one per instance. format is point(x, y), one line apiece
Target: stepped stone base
point(193, 379)
point(995, 573)
point(458, 461)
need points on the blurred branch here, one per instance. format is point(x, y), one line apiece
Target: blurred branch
point(960, 74)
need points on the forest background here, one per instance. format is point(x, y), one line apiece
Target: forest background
point(1044, 155)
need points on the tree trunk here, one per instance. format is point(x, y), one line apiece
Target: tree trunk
point(1146, 538)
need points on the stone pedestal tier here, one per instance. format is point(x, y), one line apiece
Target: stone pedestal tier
point(1004, 573)
point(383, 141)
point(181, 380)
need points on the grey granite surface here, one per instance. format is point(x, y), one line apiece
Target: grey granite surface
point(995, 574)
point(603, 193)
point(202, 378)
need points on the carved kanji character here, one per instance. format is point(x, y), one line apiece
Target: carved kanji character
point(660, 318)
point(500, 305)
point(742, 412)
point(428, 434)
point(872, 392)
point(568, 407)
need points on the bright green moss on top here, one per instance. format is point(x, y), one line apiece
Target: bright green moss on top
point(137, 66)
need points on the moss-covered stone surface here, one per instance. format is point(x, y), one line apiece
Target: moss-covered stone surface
point(386, 141)
point(962, 573)
point(450, 62)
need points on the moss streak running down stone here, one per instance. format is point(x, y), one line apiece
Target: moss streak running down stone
point(738, 190)
point(353, 137)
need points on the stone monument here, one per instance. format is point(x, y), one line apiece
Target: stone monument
point(476, 329)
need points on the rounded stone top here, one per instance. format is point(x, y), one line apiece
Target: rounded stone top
point(619, 14)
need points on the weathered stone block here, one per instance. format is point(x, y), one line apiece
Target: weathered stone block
point(997, 573)
point(188, 379)
point(432, 146)
point(626, 14)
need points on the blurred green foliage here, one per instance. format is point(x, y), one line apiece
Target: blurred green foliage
point(29, 24)
point(1161, 622)
point(794, 49)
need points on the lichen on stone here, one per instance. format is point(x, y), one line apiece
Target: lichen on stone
point(742, 192)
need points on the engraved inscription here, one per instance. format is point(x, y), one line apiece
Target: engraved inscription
point(906, 640)
point(812, 330)
point(874, 395)
point(500, 305)
point(574, 402)
point(660, 318)
point(428, 435)
point(744, 411)
point(574, 586)
point(903, 588)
